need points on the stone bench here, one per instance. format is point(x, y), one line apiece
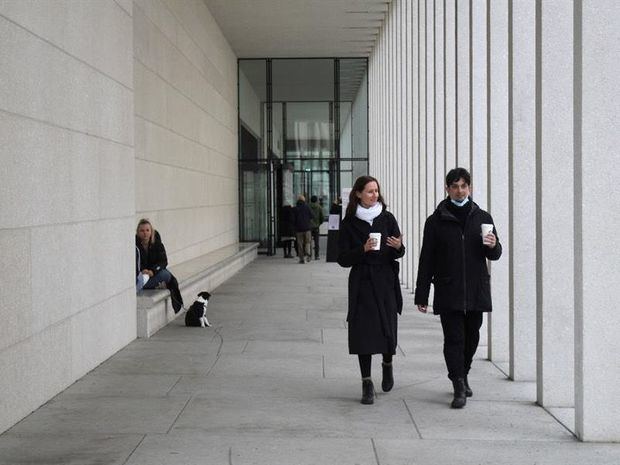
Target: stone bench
point(202, 273)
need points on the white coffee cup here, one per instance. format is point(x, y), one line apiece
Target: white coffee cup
point(485, 229)
point(377, 236)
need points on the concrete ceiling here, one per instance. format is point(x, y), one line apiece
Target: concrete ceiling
point(300, 28)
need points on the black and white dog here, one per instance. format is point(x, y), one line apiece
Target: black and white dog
point(196, 315)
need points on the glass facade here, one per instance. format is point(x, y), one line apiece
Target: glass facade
point(303, 130)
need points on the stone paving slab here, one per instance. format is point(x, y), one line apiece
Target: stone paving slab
point(494, 452)
point(79, 449)
point(104, 415)
point(275, 415)
point(112, 384)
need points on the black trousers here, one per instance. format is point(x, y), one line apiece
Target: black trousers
point(461, 334)
point(315, 238)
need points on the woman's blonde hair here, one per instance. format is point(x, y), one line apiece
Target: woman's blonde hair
point(146, 221)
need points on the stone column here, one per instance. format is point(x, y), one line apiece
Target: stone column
point(597, 220)
point(479, 118)
point(479, 103)
point(522, 194)
point(430, 109)
point(418, 220)
point(498, 178)
point(450, 82)
point(554, 237)
point(440, 103)
point(463, 136)
point(409, 170)
point(423, 160)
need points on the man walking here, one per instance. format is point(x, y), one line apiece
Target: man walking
point(317, 221)
point(303, 218)
point(453, 258)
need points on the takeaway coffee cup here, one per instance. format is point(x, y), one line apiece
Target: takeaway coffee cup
point(485, 229)
point(376, 236)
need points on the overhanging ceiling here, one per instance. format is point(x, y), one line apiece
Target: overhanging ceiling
point(300, 28)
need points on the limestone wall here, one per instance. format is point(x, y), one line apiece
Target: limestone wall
point(66, 195)
point(185, 127)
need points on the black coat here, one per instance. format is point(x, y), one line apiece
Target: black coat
point(455, 261)
point(287, 221)
point(375, 297)
point(303, 217)
point(152, 258)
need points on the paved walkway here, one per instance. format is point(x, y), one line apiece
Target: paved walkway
point(272, 383)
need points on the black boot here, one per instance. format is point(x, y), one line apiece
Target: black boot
point(468, 391)
point(388, 377)
point(460, 399)
point(368, 392)
point(175, 295)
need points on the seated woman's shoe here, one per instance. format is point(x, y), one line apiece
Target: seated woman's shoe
point(388, 377)
point(368, 392)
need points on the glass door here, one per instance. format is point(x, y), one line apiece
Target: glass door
point(302, 131)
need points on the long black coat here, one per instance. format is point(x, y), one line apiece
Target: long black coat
point(455, 261)
point(375, 298)
point(287, 221)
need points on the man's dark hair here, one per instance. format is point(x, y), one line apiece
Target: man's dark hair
point(313, 198)
point(458, 173)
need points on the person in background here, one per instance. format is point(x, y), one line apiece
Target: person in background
point(151, 263)
point(454, 258)
point(375, 298)
point(303, 219)
point(317, 220)
point(287, 229)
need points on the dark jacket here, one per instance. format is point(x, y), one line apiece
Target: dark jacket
point(455, 261)
point(317, 215)
point(287, 221)
point(153, 258)
point(375, 297)
point(303, 217)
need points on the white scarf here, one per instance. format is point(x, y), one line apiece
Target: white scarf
point(369, 214)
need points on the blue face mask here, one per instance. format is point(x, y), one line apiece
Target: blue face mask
point(460, 203)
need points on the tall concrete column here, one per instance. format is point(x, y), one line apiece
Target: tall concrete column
point(391, 103)
point(410, 108)
point(423, 160)
point(498, 178)
point(415, 87)
point(479, 116)
point(430, 108)
point(597, 220)
point(463, 90)
point(479, 103)
point(555, 312)
point(522, 194)
point(402, 116)
point(440, 104)
point(450, 82)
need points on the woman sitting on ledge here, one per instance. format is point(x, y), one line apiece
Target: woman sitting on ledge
point(151, 262)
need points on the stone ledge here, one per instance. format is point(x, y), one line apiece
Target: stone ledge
point(206, 272)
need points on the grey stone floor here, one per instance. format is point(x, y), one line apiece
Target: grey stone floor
point(272, 383)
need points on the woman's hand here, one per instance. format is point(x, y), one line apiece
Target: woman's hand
point(423, 308)
point(395, 242)
point(370, 244)
point(147, 272)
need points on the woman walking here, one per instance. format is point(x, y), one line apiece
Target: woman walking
point(369, 243)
